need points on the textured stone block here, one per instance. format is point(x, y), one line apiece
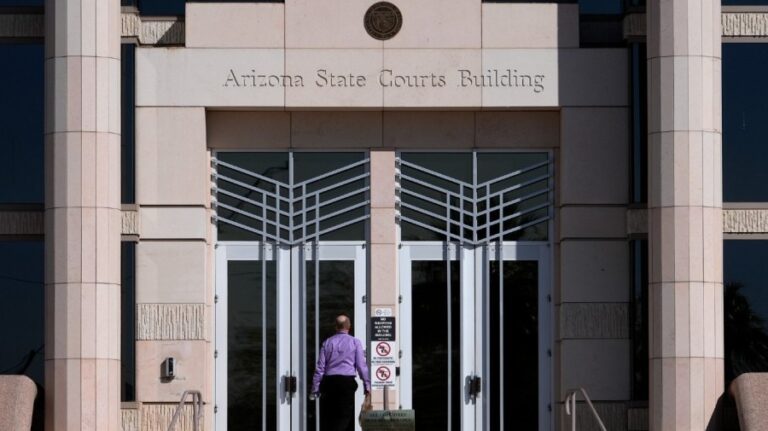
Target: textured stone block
point(17, 398)
point(21, 223)
point(594, 320)
point(21, 25)
point(157, 417)
point(130, 221)
point(754, 24)
point(613, 415)
point(745, 221)
point(751, 393)
point(637, 419)
point(130, 419)
point(170, 321)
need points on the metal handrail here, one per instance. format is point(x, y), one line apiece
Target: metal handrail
point(197, 410)
point(570, 407)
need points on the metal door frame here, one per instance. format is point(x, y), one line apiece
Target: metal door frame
point(474, 263)
point(291, 318)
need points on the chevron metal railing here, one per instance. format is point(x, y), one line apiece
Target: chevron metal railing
point(293, 213)
point(570, 407)
point(484, 199)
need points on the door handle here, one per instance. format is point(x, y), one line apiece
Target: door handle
point(290, 385)
point(475, 386)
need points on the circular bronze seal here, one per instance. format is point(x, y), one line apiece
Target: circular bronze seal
point(383, 20)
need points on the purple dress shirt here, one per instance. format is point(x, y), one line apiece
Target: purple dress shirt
point(341, 355)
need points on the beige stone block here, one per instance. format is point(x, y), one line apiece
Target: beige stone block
point(383, 267)
point(530, 25)
point(214, 78)
point(63, 380)
point(405, 87)
point(64, 246)
point(171, 272)
point(525, 130)
point(192, 357)
point(64, 94)
point(335, 130)
point(593, 77)
point(712, 236)
point(171, 157)
point(248, 130)
point(383, 226)
point(520, 77)
point(63, 338)
point(174, 222)
point(599, 366)
point(439, 24)
point(64, 178)
point(235, 25)
point(594, 162)
point(422, 130)
point(88, 89)
point(342, 24)
point(334, 78)
point(383, 172)
point(594, 271)
point(593, 222)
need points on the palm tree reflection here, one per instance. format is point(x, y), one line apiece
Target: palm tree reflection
point(746, 340)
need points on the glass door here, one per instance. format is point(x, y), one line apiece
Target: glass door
point(477, 338)
point(252, 356)
point(274, 307)
point(517, 338)
point(474, 276)
point(291, 256)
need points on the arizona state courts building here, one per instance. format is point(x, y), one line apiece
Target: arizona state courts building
point(518, 199)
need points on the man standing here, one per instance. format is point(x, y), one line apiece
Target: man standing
point(341, 355)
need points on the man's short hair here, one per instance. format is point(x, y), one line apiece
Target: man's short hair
point(343, 322)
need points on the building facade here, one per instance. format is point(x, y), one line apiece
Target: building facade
point(511, 200)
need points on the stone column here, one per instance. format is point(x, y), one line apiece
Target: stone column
point(685, 205)
point(82, 215)
point(383, 253)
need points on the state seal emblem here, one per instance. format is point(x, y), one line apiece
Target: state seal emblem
point(383, 20)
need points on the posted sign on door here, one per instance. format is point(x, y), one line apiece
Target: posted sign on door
point(384, 352)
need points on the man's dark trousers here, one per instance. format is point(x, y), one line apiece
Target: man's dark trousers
point(337, 403)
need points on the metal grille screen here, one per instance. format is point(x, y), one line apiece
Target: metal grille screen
point(291, 198)
point(474, 197)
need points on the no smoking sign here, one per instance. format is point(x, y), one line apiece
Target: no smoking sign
point(383, 363)
point(383, 376)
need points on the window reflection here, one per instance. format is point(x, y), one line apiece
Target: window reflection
point(22, 315)
point(745, 305)
point(21, 123)
point(745, 122)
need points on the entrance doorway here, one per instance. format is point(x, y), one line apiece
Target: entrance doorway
point(475, 283)
point(291, 255)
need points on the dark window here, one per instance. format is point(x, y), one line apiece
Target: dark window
point(128, 322)
point(21, 123)
point(23, 3)
point(745, 122)
point(639, 192)
point(639, 319)
point(22, 316)
point(745, 305)
point(601, 7)
point(161, 7)
point(128, 119)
